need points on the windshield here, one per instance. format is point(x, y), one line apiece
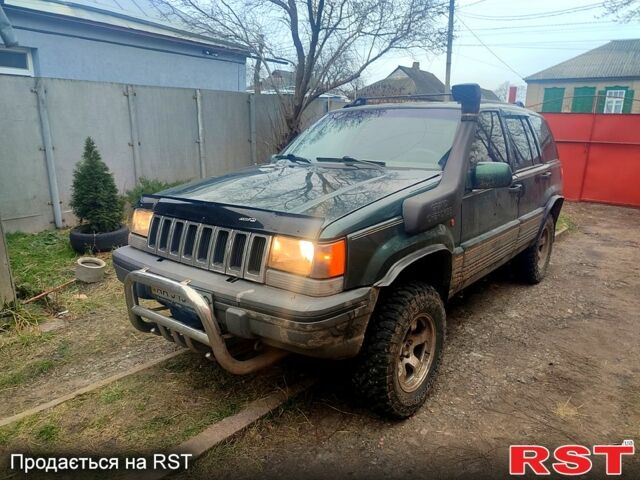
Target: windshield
point(399, 137)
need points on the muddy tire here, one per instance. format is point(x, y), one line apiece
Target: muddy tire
point(532, 264)
point(402, 350)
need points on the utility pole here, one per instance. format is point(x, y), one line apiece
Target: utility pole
point(257, 87)
point(447, 77)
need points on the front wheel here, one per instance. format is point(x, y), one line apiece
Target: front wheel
point(402, 350)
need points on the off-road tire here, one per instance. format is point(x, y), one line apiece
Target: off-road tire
point(377, 378)
point(532, 264)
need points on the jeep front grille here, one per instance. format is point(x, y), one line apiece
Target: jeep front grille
point(223, 250)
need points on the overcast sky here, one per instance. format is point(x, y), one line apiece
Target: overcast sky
point(525, 37)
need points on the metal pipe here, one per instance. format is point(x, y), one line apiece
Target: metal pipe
point(447, 76)
point(212, 335)
point(201, 151)
point(135, 137)
point(7, 33)
point(252, 129)
point(47, 140)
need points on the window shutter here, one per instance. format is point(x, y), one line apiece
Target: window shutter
point(628, 102)
point(602, 95)
point(583, 99)
point(553, 98)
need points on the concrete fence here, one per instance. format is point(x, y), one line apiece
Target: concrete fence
point(168, 134)
point(7, 290)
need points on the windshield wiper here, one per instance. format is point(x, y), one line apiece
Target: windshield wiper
point(291, 157)
point(347, 159)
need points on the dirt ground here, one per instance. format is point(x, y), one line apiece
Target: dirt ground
point(550, 364)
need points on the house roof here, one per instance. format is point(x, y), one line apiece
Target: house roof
point(426, 82)
point(416, 82)
point(616, 59)
point(489, 95)
point(139, 15)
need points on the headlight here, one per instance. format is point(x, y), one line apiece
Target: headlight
point(302, 257)
point(140, 221)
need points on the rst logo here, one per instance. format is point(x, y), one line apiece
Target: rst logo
point(568, 459)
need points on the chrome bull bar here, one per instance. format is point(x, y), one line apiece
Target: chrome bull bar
point(211, 337)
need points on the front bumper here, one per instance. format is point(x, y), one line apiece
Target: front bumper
point(327, 327)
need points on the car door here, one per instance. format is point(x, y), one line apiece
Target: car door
point(531, 176)
point(489, 217)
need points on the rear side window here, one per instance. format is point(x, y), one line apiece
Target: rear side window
point(533, 144)
point(523, 151)
point(545, 139)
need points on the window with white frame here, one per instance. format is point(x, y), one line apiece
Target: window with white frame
point(614, 101)
point(16, 61)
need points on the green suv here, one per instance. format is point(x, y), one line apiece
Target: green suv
point(351, 241)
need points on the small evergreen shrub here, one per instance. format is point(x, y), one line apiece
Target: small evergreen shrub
point(95, 200)
point(147, 186)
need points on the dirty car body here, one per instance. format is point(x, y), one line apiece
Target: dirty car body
point(296, 253)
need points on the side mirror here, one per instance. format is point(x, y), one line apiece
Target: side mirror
point(491, 175)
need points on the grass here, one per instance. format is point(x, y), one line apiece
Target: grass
point(148, 411)
point(27, 372)
point(48, 433)
point(43, 261)
point(19, 317)
point(565, 221)
point(40, 261)
point(111, 395)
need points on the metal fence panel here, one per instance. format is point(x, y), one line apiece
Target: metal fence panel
point(600, 156)
point(270, 126)
point(78, 110)
point(24, 190)
point(168, 133)
point(7, 289)
point(227, 132)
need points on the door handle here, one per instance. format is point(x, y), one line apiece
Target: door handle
point(517, 188)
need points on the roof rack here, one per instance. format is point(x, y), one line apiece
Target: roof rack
point(466, 94)
point(396, 98)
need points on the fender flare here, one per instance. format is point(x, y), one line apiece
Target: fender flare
point(552, 203)
point(397, 268)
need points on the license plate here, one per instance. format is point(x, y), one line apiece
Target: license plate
point(171, 297)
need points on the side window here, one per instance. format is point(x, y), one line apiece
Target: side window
point(545, 139)
point(489, 144)
point(532, 142)
point(522, 151)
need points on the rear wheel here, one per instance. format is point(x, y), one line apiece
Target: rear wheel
point(532, 264)
point(402, 351)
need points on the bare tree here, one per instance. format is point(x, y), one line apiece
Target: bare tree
point(328, 43)
point(502, 91)
point(624, 10)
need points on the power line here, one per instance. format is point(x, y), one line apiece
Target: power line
point(471, 4)
point(490, 51)
point(547, 32)
point(479, 61)
point(565, 24)
point(531, 16)
point(552, 42)
point(578, 49)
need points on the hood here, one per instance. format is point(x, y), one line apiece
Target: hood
point(327, 192)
